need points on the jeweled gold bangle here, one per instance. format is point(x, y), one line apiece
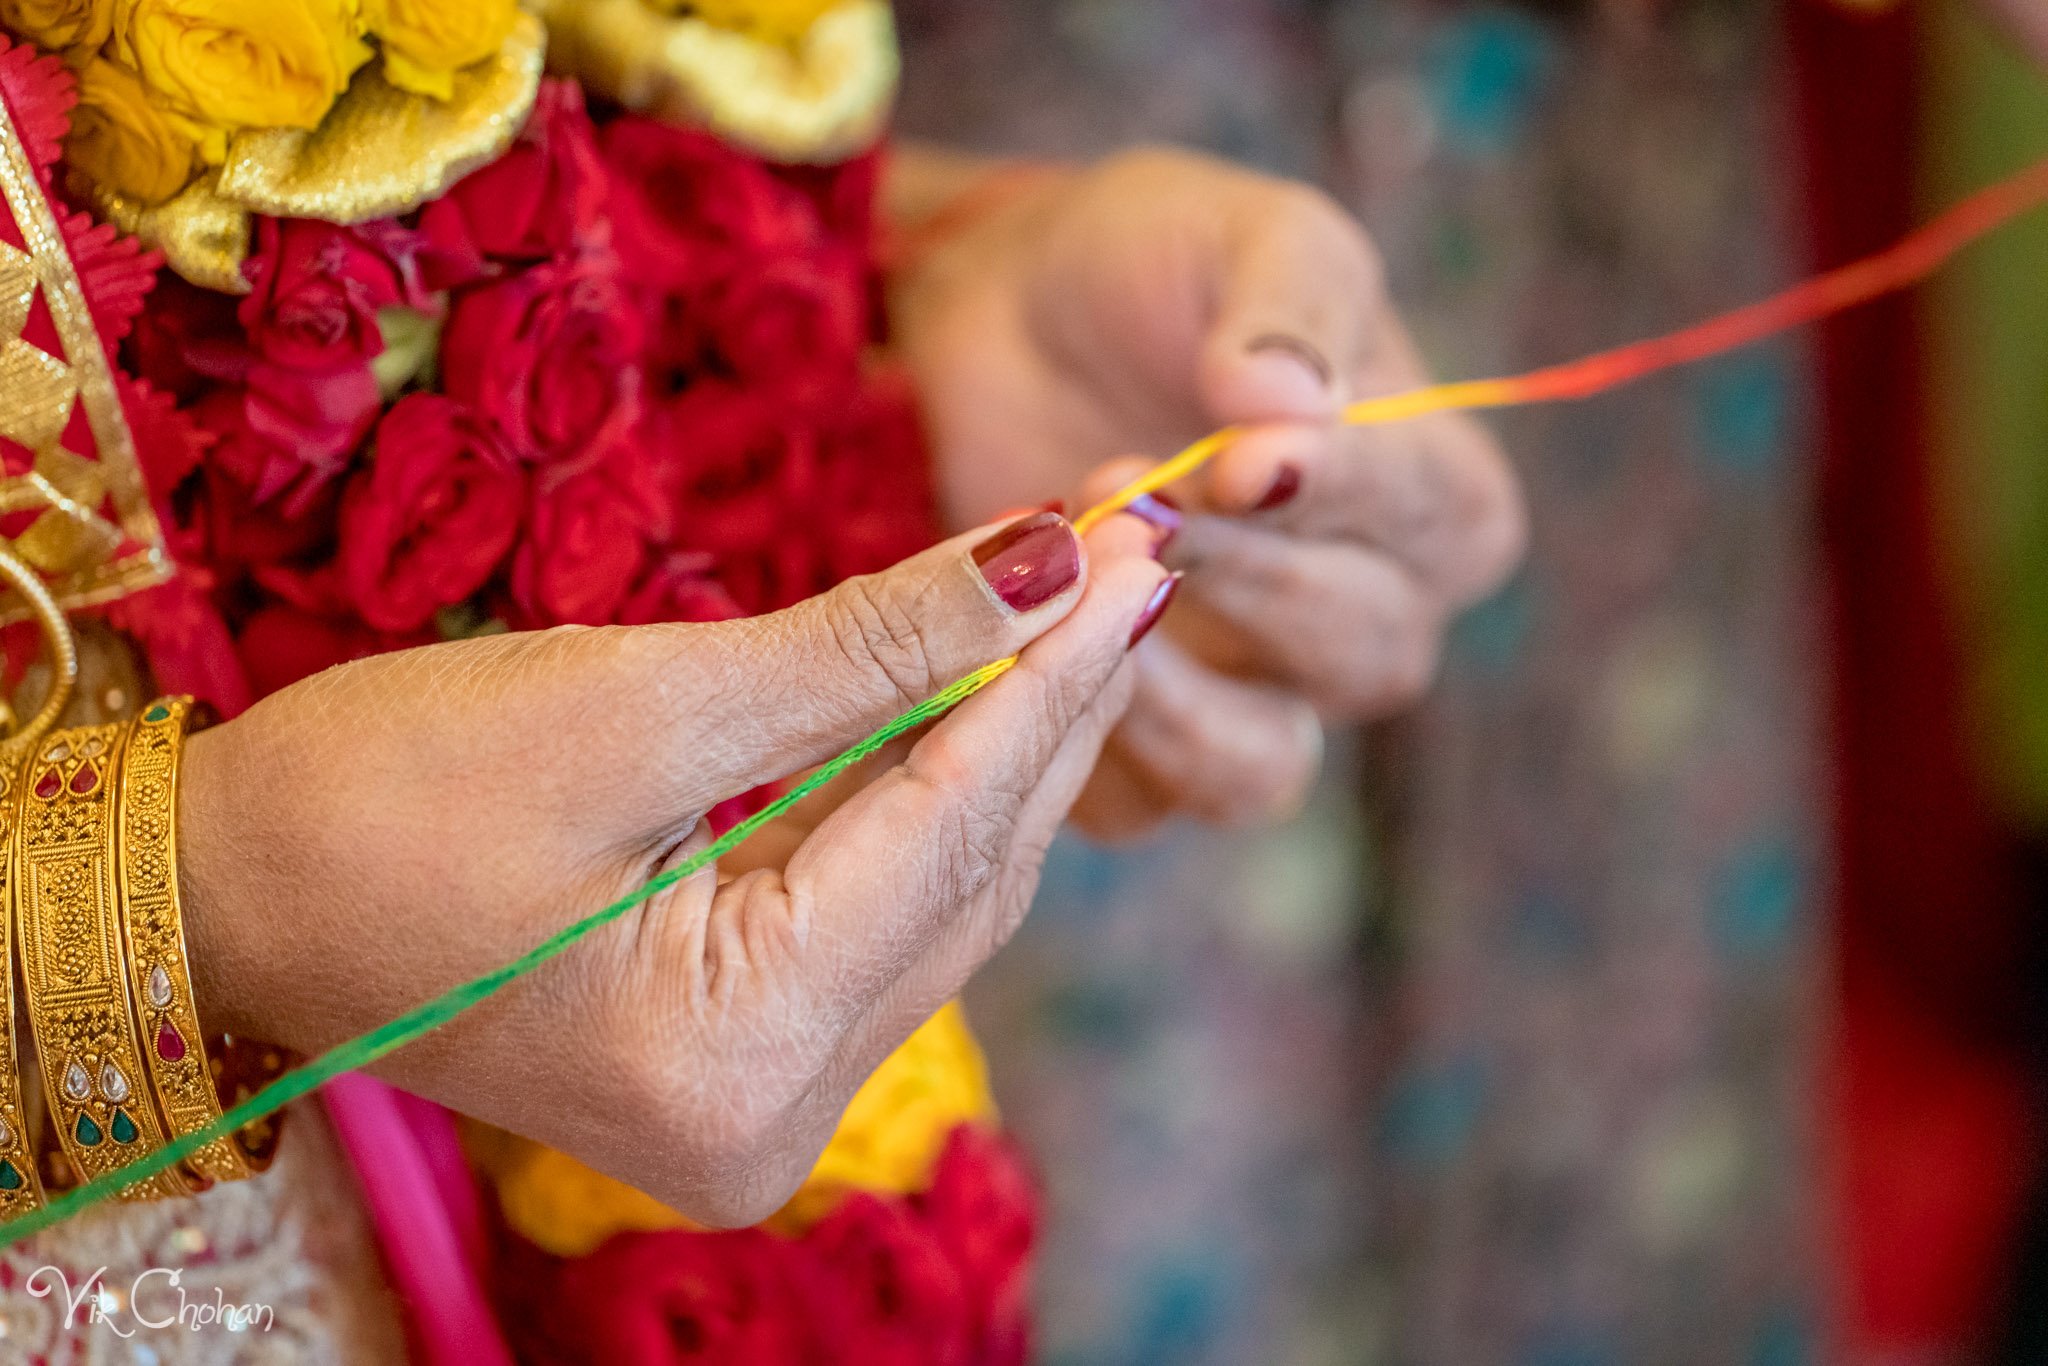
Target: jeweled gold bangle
point(174, 1053)
point(21, 1187)
point(66, 895)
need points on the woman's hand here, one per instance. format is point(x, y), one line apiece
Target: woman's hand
point(1138, 305)
point(358, 843)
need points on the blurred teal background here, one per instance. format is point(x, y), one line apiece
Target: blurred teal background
point(1502, 1052)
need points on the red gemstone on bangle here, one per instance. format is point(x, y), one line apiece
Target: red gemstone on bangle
point(170, 1044)
point(50, 784)
point(85, 780)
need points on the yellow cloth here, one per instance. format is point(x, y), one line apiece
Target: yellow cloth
point(888, 1141)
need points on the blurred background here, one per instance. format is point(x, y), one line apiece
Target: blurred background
point(1662, 990)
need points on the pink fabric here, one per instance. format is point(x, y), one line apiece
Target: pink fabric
point(429, 1221)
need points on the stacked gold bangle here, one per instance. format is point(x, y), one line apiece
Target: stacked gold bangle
point(89, 862)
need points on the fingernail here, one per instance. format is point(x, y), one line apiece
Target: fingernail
point(1160, 515)
point(1155, 607)
point(1284, 344)
point(1026, 509)
point(1286, 483)
point(1030, 562)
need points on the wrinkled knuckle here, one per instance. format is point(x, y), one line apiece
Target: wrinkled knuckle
point(982, 836)
point(881, 641)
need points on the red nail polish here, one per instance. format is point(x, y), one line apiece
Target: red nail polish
point(1285, 485)
point(1155, 607)
point(1160, 515)
point(1030, 562)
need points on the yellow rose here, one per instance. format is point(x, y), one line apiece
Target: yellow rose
point(60, 25)
point(782, 20)
point(123, 140)
point(427, 41)
point(245, 63)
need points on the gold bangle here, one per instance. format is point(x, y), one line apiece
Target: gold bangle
point(66, 896)
point(21, 1186)
point(158, 973)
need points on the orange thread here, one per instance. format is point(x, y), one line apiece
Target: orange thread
point(1905, 262)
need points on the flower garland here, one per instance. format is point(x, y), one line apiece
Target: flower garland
point(164, 84)
point(939, 1278)
point(605, 379)
point(392, 462)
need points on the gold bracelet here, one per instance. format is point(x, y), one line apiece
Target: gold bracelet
point(158, 972)
point(66, 894)
point(21, 1186)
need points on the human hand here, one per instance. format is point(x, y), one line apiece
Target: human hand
point(362, 841)
point(1139, 305)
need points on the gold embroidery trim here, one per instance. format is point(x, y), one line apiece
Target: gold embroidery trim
point(70, 541)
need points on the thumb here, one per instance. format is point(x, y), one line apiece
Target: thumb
point(1300, 285)
point(792, 688)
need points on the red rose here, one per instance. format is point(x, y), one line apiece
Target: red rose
point(280, 645)
point(743, 472)
point(680, 586)
point(434, 513)
point(549, 356)
point(186, 337)
point(287, 434)
point(785, 317)
point(685, 204)
point(984, 1203)
point(874, 473)
point(185, 641)
point(842, 194)
point(315, 290)
point(584, 546)
point(670, 1299)
point(886, 1286)
point(544, 197)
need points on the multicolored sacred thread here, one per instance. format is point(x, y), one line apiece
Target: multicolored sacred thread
point(1912, 258)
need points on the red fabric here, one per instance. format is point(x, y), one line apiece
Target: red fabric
point(1930, 1132)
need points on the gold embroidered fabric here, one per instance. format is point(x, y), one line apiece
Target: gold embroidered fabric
point(94, 536)
point(820, 98)
point(383, 151)
point(203, 237)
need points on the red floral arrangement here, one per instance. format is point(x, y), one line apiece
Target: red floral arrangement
point(937, 1279)
point(619, 375)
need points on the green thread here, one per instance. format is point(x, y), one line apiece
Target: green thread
point(365, 1049)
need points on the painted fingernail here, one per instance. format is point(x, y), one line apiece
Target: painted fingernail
point(1286, 483)
point(1025, 510)
point(1160, 515)
point(1155, 607)
point(1030, 562)
point(1284, 344)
